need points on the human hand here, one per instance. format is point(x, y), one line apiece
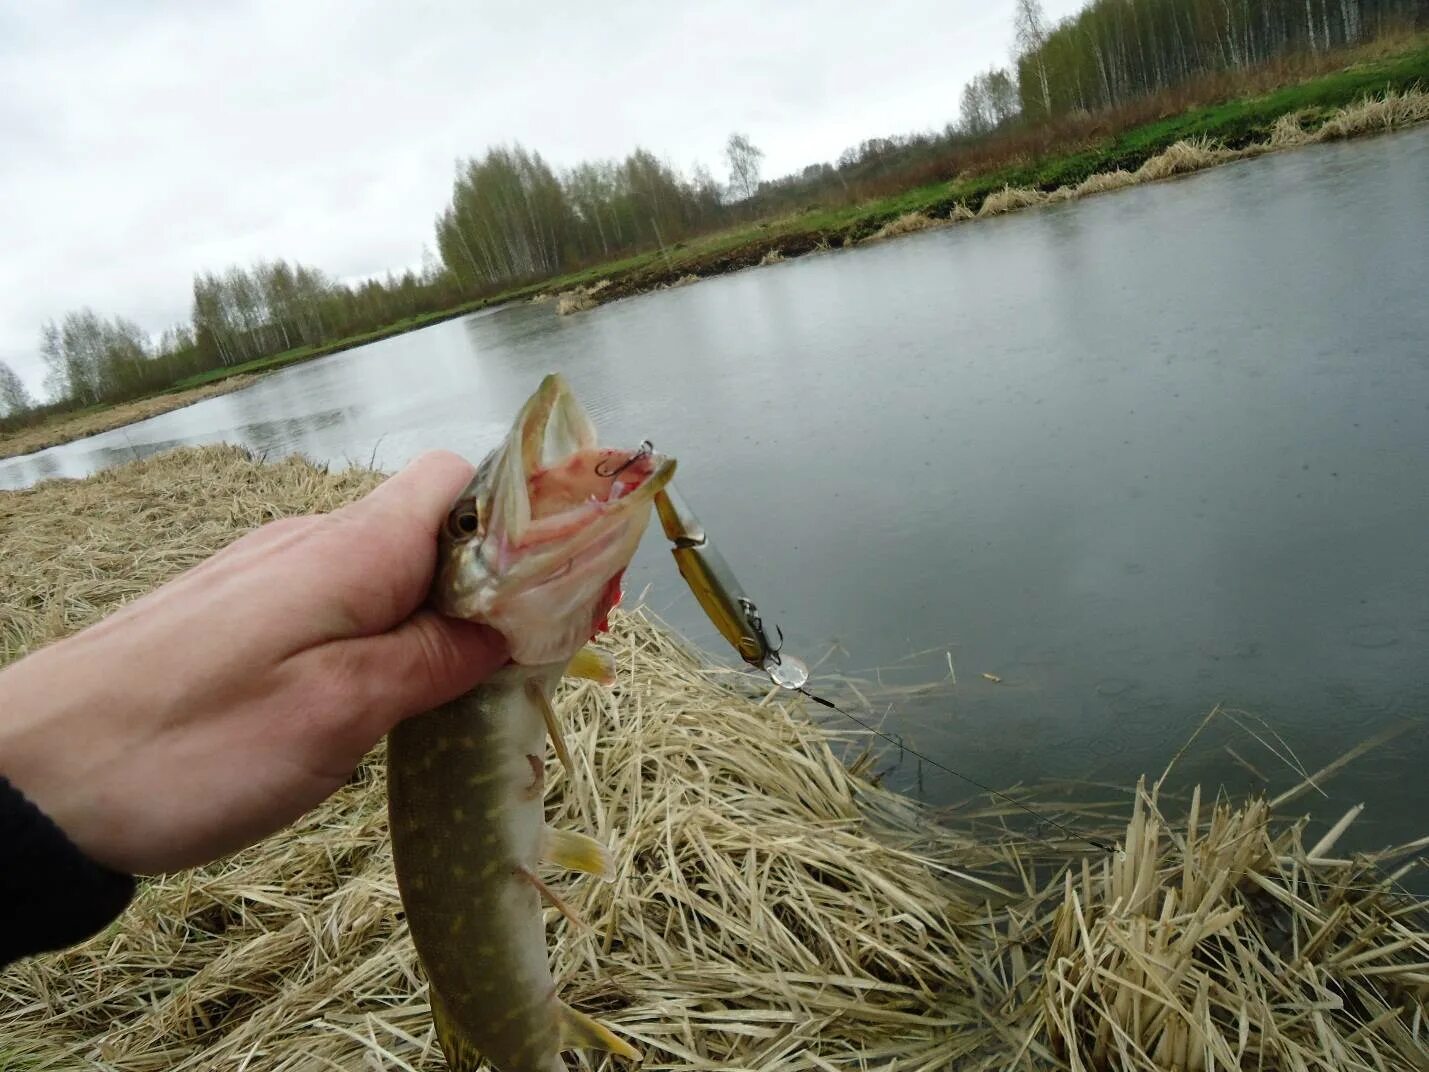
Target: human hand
point(225, 704)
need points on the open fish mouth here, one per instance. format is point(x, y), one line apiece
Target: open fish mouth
point(538, 542)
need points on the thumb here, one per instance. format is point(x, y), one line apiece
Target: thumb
point(426, 661)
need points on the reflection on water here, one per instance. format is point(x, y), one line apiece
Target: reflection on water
point(1138, 456)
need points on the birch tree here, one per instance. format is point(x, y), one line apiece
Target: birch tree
point(1030, 30)
point(973, 112)
point(15, 399)
point(1115, 50)
point(743, 157)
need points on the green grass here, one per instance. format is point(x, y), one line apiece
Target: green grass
point(1235, 123)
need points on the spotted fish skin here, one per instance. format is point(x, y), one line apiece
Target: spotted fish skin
point(467, 817)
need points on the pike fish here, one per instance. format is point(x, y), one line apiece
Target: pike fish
point(535, 546)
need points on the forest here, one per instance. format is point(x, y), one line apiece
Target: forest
point(1117, 50)
point(514, 220)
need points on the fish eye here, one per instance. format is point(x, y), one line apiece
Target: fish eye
point(463, 521)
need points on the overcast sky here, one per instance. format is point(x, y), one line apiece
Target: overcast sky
point(143, 141)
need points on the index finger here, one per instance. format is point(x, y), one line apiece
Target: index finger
point(422, 493)
point(371, 562)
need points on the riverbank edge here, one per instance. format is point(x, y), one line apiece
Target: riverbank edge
point(70, 427)
point(1213, 135)
point(1181, 158)
point(97, 420)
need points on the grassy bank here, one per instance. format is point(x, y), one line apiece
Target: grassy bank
point(77, 424)
point(1327, 106)
point(1341, 105)
point(66, 427)
point(770, 910)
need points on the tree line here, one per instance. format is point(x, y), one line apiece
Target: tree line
point(1113, 51)
point(238, 316)
point(512, 218)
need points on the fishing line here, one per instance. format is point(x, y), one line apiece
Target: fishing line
point(791, 673)
point(898, 742)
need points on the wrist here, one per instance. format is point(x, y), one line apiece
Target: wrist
point(43, 703)
point(54, 894)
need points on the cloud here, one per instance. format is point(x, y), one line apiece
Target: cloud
point(146, 141)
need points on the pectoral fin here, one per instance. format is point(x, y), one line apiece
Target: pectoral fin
point(592, 664)
point(576, 852)
point(580, 1032)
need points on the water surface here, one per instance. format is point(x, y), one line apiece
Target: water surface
point(1137, 456)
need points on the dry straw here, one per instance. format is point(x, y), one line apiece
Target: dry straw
point(1375, 114)
point(1289, 131)
point(68, 427)
point(574, 301)
point(771, 910)
point(579, 299)
point(1368, 116)
point(1010, 199)
point(1183, 158)
point(908, 223)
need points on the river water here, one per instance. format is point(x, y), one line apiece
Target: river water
point(1137, 456)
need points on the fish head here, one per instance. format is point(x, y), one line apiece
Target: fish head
point(537, 543)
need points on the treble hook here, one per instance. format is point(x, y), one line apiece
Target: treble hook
point(646, 449)
point(771, 650)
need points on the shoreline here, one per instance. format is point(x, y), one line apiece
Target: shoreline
point(1183, 157)
point(70, 427)
point(94, 421)
point(1133, 158)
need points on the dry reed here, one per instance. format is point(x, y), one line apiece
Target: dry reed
point(1289, 131)
point(1010, 199)
point(1375, 114)
point(1368, 116)
point(574, 301)
point(1185, 157)
point(773, 256)
point(908, 223)
point(1104, 181)
point(688, 279)
point(67, 427)
point(770, 910)
point(579, 299)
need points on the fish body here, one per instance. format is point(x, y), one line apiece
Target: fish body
point(535, 547)
point(465, 798)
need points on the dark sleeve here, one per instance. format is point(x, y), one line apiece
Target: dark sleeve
point(51, 894)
